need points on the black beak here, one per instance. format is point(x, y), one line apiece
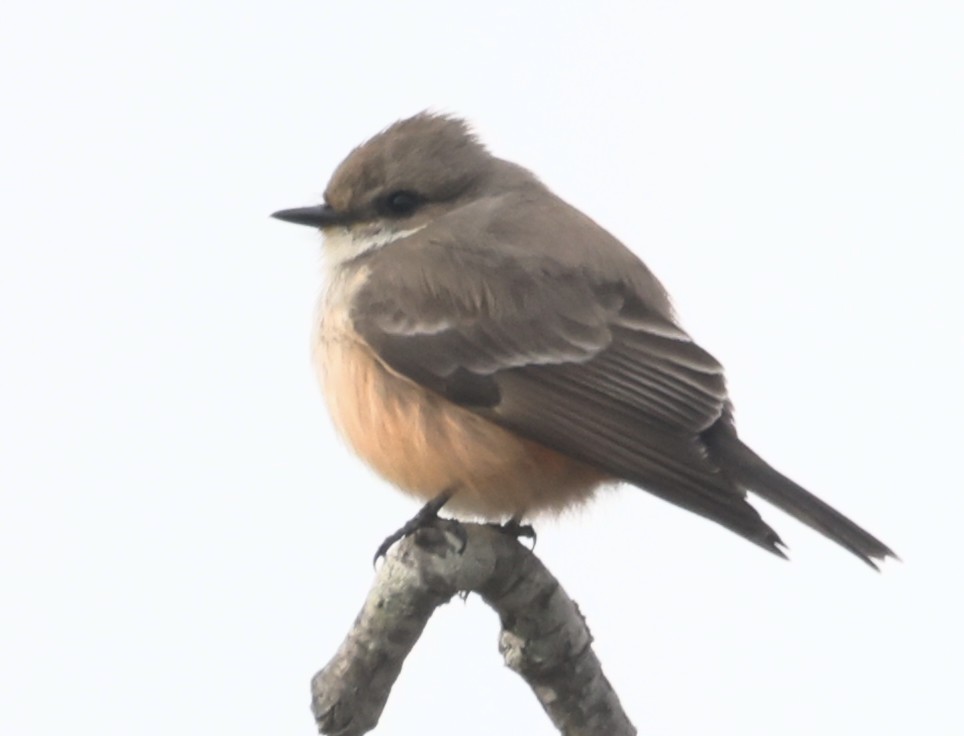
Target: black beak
point(321, 215)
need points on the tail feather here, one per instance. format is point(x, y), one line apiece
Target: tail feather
point(748, 469)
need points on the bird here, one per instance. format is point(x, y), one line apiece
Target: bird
point(488, 348)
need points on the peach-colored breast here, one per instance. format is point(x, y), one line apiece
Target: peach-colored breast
point(425, 444)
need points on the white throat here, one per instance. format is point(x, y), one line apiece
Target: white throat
point(342, 244)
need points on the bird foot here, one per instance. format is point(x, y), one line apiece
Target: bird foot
point(427, 517)
point(516, 529)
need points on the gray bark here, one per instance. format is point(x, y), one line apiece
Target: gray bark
point(544, 638)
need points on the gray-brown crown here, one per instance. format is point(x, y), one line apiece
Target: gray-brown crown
point(435, 155)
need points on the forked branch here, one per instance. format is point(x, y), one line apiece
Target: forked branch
point(544, 637)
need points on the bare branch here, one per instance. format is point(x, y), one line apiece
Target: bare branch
point(544, 637)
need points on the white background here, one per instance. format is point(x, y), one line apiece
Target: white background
point(184, 541)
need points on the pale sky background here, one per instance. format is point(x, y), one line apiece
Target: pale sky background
point(184, 541)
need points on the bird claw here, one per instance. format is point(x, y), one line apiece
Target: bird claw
point(426, 517)
point(516, 529)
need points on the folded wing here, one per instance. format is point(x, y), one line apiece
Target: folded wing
point(575, 360)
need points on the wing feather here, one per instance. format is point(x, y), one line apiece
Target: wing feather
point(577, 361)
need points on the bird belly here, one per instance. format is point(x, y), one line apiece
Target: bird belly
point(425, 444)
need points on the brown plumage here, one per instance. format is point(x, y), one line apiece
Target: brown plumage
point(481, 336)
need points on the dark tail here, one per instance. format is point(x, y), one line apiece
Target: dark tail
point(749, 470)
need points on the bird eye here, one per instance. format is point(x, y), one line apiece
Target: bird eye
point(401, 204)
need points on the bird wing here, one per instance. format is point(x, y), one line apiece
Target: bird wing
point(573, 358)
